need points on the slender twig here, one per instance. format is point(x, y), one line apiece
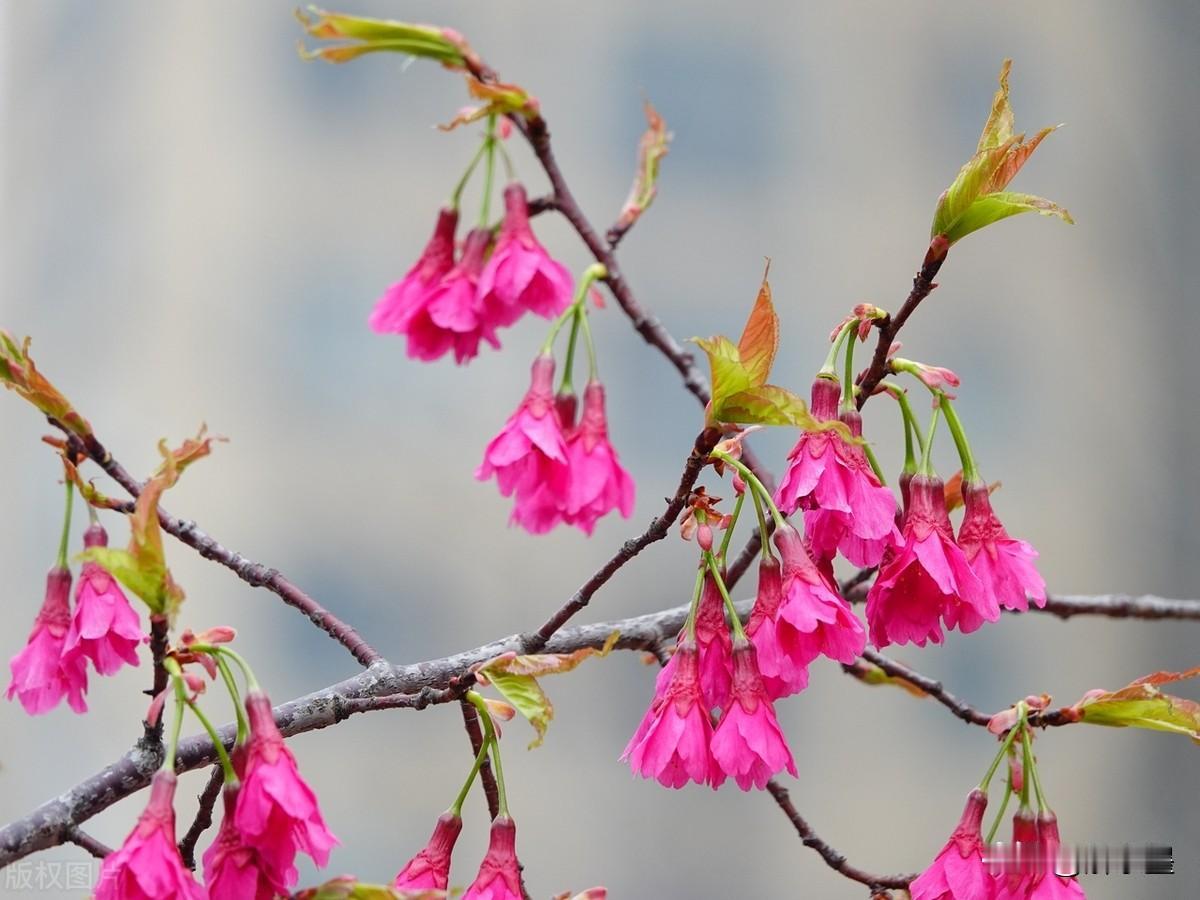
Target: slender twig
point(832, 857)
point(153, 731)
point(87, 842)
point(253, 573)
point(204, 816)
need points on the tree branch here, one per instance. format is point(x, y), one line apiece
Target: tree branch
point(204, 817)
point(87, 842)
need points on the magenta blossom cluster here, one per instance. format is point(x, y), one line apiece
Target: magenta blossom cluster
point(677, 741)
point(556, 469)
point(499, 876)
point(446, 305)
point(102, 629)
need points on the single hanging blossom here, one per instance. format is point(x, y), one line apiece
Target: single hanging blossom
point(41, 674)
point(748, 744)
point(927, 579)
point(499, 875)
point(521, 276)
point(671, 744)
point(1047, 883)
point(403, 299)
point(277, 812)
point(104, 629)
point(529, 455)
point(597, 483)
point(1021, 863)
point(810, 619)
point(148, 866)
point(1004, 564)
point(714, 646)
point(232, 869)
point(959, 872)
point(832, 480)
point(448, 317)
point(430, 869)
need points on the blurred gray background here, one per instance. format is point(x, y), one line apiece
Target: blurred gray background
point(196, 224)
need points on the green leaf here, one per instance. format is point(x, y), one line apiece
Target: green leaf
point(729, 376)
point(767, 405)
point(994, 207)
point(365, 35)
point(1142, 705)
point(524, 692)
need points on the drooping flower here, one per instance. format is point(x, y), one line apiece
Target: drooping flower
point(714, 646)
point(1050, 885)
point(928, 579)
point(809, 619)
point(1020, 861)
point(959, 872)
point(748, 744)
point(104, 629)
point(41, 674)
point(597, 483)
point(828, 474)
point(448, 316)
point(529, 455)
point(148, 866)
point(1004, 564)
point(521, 276)
point(277, 812)
point(403, 299)
point(233, 870)
point(499, 875)
point(430, 869)
point(671, 744)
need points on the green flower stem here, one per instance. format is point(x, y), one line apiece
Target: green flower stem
point(489, 171)
point(567, 385)
point(1008, 739)
point(752, 481)
point(593, 372)
point(848, 380)
point(456, 808)
point(733, 517)
point(509, 171)
point(970, 472)
point(489, 739)
point(66, 530)
point(243, 728)
point(912, 428)
point(220, 650)
point(1032, 772)
point(690, 624)
point(991, 835)
point(869, 453)
point(176, 728)
point(1027, 759)
point(456, 197)
point(764, 542)
point(222, 755)
point(93, 517)
point(715, 571)
point(830, 365)
point(927, 455)
point(592, 273)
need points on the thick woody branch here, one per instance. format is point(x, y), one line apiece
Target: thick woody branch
point(254, 574)
point(1120, 606)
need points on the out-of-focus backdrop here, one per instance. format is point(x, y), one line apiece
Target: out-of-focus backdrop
point(195, 224)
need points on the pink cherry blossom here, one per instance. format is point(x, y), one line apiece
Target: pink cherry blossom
point(827, 473)
point(780, 675)
point(234, 870)
point(597, 482)
point(1047, 884)
point(448, 316)
point(277, 812)
point(672, 742)
point(403, 299)
point(1004, 564)
point(748, 744)
point(104, 629)
point(521, 276)
point(959, 872)
point(928, 579)
point(148, 866)
point(714, 645)
point(499, 875)
point(1016, 878)
point(41, 674)
point(529, 455)
point(430, 869)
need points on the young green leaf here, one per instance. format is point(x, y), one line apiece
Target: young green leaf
point(1142, 705)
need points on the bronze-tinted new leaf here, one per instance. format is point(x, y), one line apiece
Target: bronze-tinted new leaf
point(19, 373)
point(1141, 704)
point(652, 148)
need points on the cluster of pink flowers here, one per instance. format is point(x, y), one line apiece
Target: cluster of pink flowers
point(102, 629)
point(444, 305)
point(270, 816)
point(926, 577)
point(960, 872)
point(499, 875)
point(556, 469)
